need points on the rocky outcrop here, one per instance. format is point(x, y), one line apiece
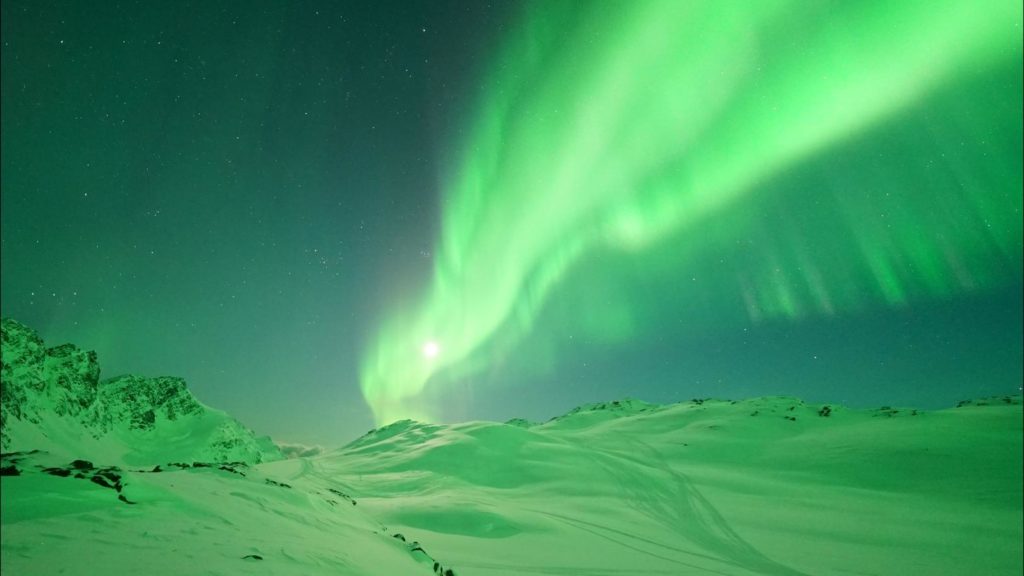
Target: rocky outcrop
point(138, 401)
point(21, 360)
point(42, 386)
point(75, 378)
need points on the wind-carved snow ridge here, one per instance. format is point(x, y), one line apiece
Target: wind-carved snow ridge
point(53, 399)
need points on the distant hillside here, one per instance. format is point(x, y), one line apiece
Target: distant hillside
point(53, 399)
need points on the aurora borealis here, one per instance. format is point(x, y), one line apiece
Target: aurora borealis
point(330, 215)
point(640, 126)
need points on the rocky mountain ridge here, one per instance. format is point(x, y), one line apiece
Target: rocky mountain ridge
point(55, 393)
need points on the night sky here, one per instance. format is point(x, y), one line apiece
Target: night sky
point(330, 215)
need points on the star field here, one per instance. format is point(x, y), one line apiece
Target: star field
point(326, 215)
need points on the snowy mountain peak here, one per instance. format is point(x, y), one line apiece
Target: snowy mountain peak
point(407, 432)
point(52, 398)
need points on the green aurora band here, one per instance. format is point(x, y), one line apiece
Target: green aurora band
point(641, 129)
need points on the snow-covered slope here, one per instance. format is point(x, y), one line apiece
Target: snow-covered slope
point(134, 475)
point(765, 486)
point(52, 399)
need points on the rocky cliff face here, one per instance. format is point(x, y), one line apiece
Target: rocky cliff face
point(138, 401)
point(46, 390)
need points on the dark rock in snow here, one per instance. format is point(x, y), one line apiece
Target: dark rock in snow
point(252, 557)
point(343, 495)
point(519, 422)
point(623, 407)
point(231, 469)
point(110, 474)
point(102, 482)
point(18, 455)
point(11, 470)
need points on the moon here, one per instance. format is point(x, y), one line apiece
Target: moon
point(431, 349)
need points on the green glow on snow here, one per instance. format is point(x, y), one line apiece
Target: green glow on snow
point(617, 126)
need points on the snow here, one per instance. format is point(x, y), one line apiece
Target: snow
point(764, 486)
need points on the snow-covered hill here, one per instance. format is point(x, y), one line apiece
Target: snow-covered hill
point(763, 486)
point(52, 399)
point(767, 486)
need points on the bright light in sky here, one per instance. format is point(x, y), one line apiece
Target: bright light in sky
point(680, 115)
point(430, 349)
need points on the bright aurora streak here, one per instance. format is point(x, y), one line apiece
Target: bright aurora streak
point(644, 128)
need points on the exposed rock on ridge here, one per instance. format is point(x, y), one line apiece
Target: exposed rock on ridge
point(138, 400)
point(48, 388)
